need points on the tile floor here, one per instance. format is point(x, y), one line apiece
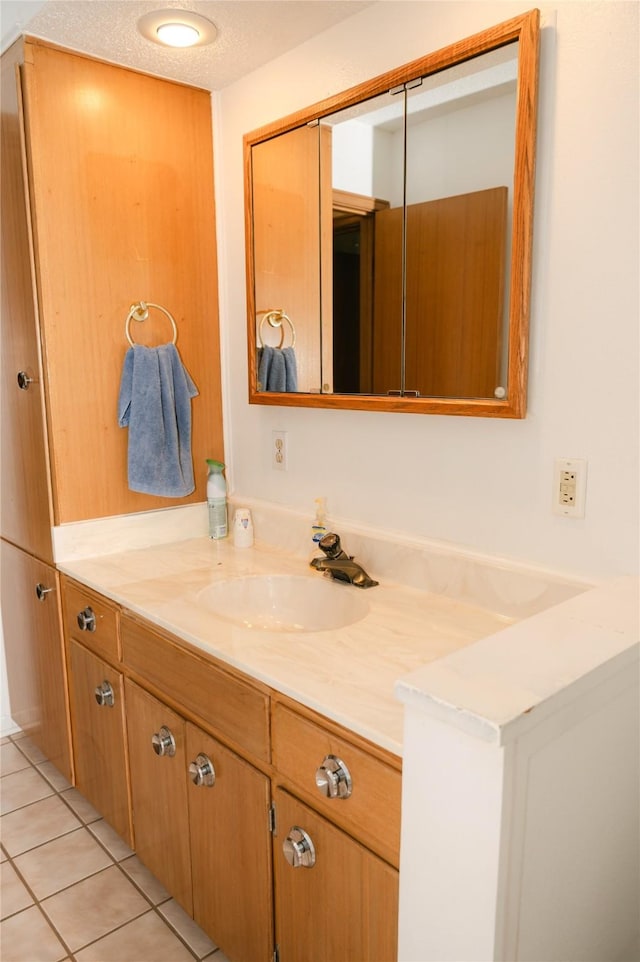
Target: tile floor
point(72, 891)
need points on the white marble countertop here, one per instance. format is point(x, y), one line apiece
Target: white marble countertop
point(508, 682)
point(347, 674)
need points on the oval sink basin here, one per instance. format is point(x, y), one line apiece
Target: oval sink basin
point(285, 603)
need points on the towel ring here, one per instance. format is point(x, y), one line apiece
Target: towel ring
point(140, 312)
point(275, 319)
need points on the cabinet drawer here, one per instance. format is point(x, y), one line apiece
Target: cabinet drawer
point(91, 620)
point(232, 708)
point(372, 811)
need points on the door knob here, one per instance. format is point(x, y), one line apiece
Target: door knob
point(163, 742)
point(298, 849)
point(87, 620)
point(42, 592)
point(24, 380)
point(333, 778)
point(104, 695)
point(202, 772)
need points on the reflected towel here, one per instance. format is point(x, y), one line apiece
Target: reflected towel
point(155, 404)
point(277, 369)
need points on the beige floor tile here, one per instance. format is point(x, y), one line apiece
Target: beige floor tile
point(60, 863)
point(27, 937)
point(31, 750)
point(21, 788)
point(110, 839)
point(90, 909)
point(83, 809)
point(12, 759)
point(13, 894)
point(37, 823)
point(148, 883)
point(145, 938)
point(199, 943)
point(53, 776)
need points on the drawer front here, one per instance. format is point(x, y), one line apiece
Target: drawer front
point(91, 620)
point(232, 708)
point(371, 812)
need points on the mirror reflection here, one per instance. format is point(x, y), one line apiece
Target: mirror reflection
point(380, 258)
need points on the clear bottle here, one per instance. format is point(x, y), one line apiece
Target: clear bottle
point(217, 500)
point(319, 528)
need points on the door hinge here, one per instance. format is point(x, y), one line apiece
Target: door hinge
point(276, 954)
point(272, 820)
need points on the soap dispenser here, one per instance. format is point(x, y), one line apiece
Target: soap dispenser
point(319, 528)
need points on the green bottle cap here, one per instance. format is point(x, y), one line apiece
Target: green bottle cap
point(215, 465)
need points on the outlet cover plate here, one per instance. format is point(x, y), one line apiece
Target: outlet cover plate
point(569, 487)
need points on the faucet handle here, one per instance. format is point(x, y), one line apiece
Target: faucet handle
point(330, 545)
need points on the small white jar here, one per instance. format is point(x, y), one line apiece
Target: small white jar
point(242, 528)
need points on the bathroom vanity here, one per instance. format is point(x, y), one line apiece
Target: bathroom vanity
point(505, 673)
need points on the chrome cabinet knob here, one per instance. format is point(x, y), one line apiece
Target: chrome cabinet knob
point(333, 778)
point(163, 742)
point(202, 772)
point(24, 380)
point(298, 849)
point(87, 620)
point(104, 695)
point(42, 592)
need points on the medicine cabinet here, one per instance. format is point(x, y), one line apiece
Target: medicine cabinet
point(389, 233)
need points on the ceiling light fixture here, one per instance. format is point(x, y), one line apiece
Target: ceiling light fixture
point(177, 28)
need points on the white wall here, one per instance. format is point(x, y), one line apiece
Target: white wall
point(478, 482)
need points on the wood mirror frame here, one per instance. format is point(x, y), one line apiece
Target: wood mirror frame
point(525, 29)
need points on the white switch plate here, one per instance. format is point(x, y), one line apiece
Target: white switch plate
point(569, 487)
point(279, 450)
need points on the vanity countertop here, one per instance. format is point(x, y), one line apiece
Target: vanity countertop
point(347, 674)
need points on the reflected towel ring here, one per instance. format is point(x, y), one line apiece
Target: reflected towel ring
point(275, 319)
point(140, 312)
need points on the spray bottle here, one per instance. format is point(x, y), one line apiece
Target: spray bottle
point(217, 500)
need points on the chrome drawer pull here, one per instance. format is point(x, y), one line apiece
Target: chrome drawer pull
point(333, 778)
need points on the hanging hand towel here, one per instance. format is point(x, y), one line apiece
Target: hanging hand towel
point(290, 369)
point(155, 404)
point(277, 369)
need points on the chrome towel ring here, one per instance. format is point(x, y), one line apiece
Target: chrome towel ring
point(140, 312)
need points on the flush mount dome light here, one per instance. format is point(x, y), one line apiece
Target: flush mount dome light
point(177, 28)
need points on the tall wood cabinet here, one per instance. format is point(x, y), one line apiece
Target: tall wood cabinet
point(107, 200)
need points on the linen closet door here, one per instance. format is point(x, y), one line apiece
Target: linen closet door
point(120, 170)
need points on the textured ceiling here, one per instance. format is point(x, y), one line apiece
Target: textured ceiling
point(250, 32)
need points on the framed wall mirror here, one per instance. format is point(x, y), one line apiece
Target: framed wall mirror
point(388, 237)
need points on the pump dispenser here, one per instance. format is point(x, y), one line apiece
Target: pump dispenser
point(217, 500)
point(319, 528)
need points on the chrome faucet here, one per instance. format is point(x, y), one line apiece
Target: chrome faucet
point(339, 565)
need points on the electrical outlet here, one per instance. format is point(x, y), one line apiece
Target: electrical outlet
point(569, 487)
point(279, 450)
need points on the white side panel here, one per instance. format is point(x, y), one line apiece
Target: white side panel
point(573, 887)
point(449, 861)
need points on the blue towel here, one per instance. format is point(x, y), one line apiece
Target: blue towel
point(155, 404)
point(277, 369)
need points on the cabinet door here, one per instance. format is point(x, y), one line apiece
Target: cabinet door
point(96, 693)
point(230, 849)
point(342, 908)
point(158, 763)
point(121, 178)
point(34, 651)
point(25, 494)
